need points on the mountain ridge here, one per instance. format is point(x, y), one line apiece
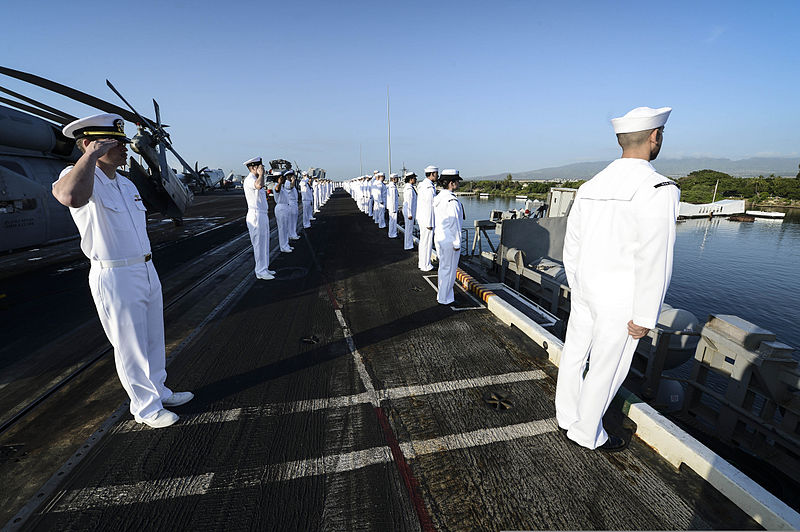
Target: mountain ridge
point(750, 167)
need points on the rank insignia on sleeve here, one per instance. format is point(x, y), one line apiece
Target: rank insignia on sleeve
point(665, 183)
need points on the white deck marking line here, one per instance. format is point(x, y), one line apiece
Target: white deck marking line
point(154, 490)
point(362, 369)
point(336, 463)
point(478, 438)
point(461, 384)
point(342, 401)
point(140, 492)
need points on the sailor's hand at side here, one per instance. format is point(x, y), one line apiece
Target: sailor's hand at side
point(98, 148)
point(637, 331)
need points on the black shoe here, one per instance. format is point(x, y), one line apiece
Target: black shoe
point(613, 445)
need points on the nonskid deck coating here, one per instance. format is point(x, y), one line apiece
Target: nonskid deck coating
point(380, 425)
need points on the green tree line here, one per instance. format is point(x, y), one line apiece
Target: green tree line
point(697, 187)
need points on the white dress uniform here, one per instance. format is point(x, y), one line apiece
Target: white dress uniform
point(448, 213)
point(380, 204)
point(307, 195)
point(425, 219)
point(409, 210)
point(371, 197)
point(317, 195)
point(257, 220)
point(282, 215)
point(618, 260)
point(294, 212)
point(392, 201)
point(125, 288)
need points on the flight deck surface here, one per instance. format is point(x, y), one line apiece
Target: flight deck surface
point(341, 396)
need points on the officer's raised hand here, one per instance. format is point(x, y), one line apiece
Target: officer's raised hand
point(260, 170)
point(98, 148)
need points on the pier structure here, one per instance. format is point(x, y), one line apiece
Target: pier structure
point(342, 396)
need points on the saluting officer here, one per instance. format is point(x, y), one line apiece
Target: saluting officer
point(392, 202)
point(427, 192)
point(409, 209)
point(110, 216)
point(257, 218)
point(448, 213)
point(618, 260)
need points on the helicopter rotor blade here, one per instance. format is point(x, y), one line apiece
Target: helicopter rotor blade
point(139, 118)
point(65, 118)
point(158, 113)
point(34, 111)
point(69, 92)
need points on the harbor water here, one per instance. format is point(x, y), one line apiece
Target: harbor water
point(751, 270)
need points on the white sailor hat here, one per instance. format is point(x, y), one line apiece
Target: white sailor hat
point(450, 172)
point(431, 169)
point(641, 119)
point(374, 172)
point(253, 161)
point(304, 173)
point(381, 174)
point(394, 176)
point(409, 175)
point(106, 125)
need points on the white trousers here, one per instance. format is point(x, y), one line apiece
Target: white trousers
point(131, 310)
point(380, 215)
point(316, 202)
point(425, 247)
point(258, 227)
point(448, 264)
point(307, 214)
point(282, 217)
point(598, 332)
point(370, 202)
point(294, 212)
point(393, 224)
point(408, 242)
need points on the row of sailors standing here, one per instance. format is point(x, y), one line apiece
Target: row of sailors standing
point(439, 217)
point(312, 194)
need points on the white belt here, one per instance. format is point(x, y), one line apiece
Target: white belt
point(124, 262)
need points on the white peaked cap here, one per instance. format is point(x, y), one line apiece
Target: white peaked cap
point(276, 171)
point(641, 119)
point(394, 175)
point(254, 160)
point(102, 125)
point(431, 169)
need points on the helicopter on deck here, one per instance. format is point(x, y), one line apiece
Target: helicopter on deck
point(33, 151)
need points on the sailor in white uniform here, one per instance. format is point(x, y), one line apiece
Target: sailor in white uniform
point(392, 203)
point(618, 260)
point(294, 211)
point(307, 196)
point(448, 213)
point(110, 216)
point(426, 192)
point(257, 218)
point(379, 195)
point(370, 194)
point(409, 209)
point(282, 213)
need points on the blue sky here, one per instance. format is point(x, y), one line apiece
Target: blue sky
point(485, 87)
